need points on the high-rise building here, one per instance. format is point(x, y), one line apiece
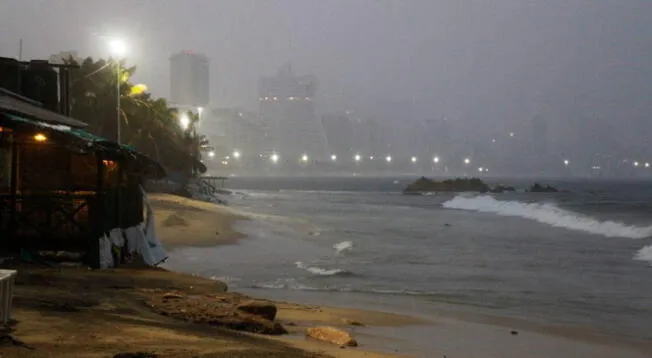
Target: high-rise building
point(189, 80)
point(287, 108)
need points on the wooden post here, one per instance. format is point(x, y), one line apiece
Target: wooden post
point(14, 183)
point(98, 221)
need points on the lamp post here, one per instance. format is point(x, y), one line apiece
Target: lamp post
point(118, 49)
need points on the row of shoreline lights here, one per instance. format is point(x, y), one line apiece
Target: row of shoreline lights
point(275, 157)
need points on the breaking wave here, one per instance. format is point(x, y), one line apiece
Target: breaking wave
point(321, 271)
point(550, 214)
point(645, 254)
point(343, 246)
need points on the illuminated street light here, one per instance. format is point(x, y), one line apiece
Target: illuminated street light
point(388, 159)
point(636, 164)
point(333, 157)
point(647, 165)
point(566, 162)
point(435, 160)
point(413, 159)
point(467, 161)
point(304, 158)
point(371, 157)
point(512, 134)
point(211, 154)
point(118, 48)
point(236, 154)
point(481, 169)
point(357, 157)
point(184, 120)
point(274, 158)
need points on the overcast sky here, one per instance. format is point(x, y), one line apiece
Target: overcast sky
point(493, 62)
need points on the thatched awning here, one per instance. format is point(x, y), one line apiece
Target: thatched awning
point(76, 138)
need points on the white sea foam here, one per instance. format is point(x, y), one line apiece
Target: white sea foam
point(549, 214)
point(321, 271)
point(343, 246)
point(645, 254)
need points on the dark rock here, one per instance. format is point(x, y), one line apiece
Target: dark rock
point(259, 308)
point(425, 185)
point(514, 333)
point(351, 322)
point(538, 188)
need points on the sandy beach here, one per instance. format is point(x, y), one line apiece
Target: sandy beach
point(76, 312)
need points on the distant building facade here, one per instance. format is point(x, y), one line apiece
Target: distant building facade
point(189, 80)
point(340, 135)
point(286, 105)
point(232, 130)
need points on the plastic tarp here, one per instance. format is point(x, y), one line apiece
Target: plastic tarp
point(140, 239)
point(106, 254)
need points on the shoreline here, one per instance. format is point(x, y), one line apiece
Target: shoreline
point(105, 312)
point(579, 337)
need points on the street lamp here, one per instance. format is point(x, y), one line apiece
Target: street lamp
point(413, 159)
point(118, 50)
point(304, 158)
point(184, 120)
point(566, 162)
point(467, 161)
point(211, 154)
point(274, 158)
point(357, 157)
point(236, 154)
point(333, 157)
point(435, 160)
point(388, 159)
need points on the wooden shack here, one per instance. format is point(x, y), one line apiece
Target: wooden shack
point(62, 188)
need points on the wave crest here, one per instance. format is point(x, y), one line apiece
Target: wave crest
point(343, 246)
point(549, 214)
point(321, 271)
point(645, 254)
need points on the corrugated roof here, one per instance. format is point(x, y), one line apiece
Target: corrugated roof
point(19, 107)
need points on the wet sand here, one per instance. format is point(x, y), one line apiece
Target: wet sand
point(185, 222)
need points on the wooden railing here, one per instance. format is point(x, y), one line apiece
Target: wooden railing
point(47, 221)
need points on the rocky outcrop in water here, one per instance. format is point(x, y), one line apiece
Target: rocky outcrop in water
point(425, 185)
point(538, 188)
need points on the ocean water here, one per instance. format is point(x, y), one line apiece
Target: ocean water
point(581, 258)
